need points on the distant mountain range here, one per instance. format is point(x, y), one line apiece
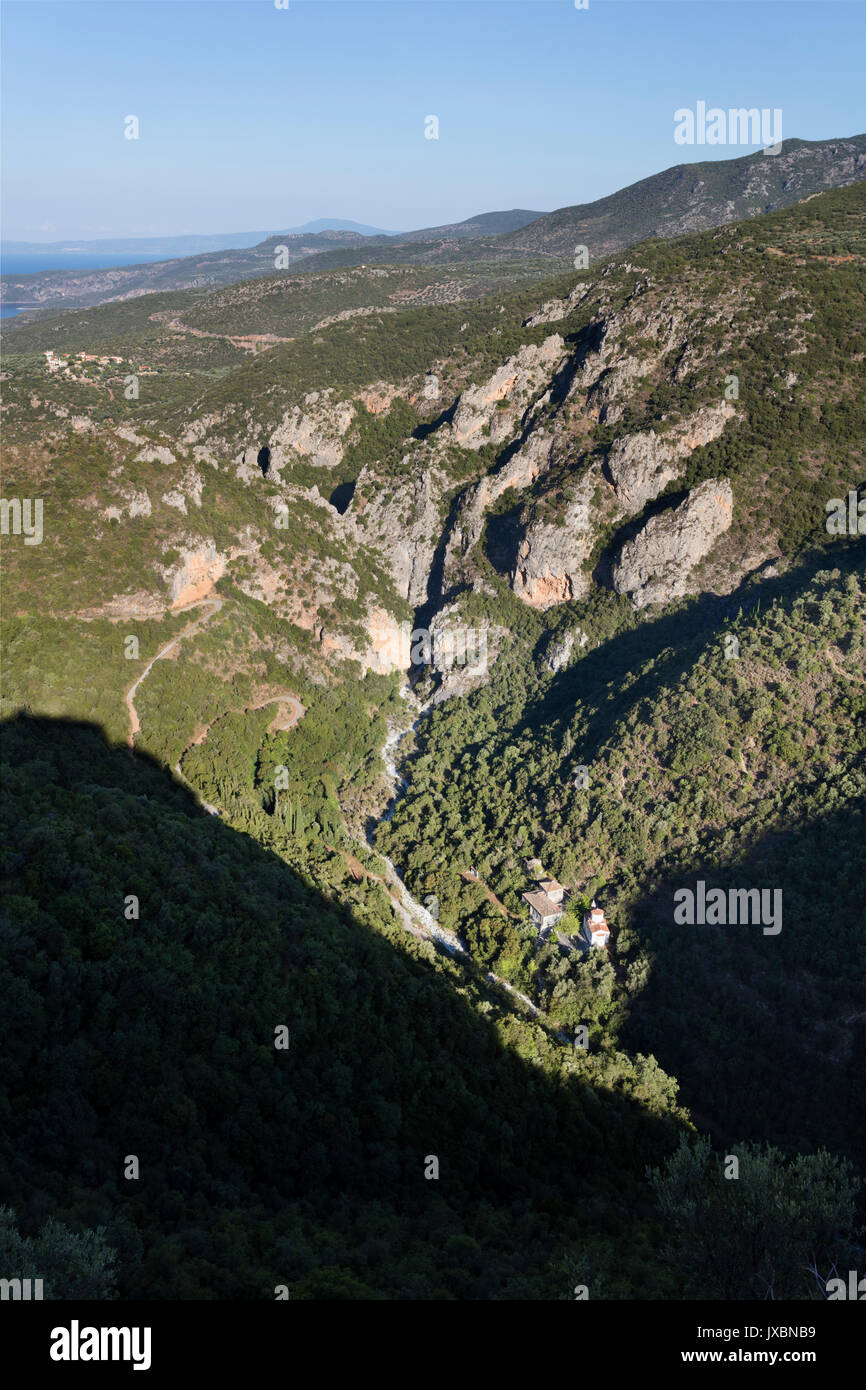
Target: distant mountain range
point(486, 224)
point(190, 244)
point(685, 198)
point(330, 248)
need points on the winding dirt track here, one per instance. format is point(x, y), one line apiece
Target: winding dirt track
point(298, 712)
point(214, 605)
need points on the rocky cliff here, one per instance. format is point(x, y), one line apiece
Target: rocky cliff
point(641, 465)
point(549, 465)
point(656, 565)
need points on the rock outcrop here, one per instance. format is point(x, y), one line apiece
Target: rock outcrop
point(402, 520)
point(195, 574)
point(655, 566)
point(386, 647)
point(461, 651)
point(188, 490)
point(554, 310)
point(559, 649)
point(137, 503)
point(518, 472)
point(314, 434)
point(551, 557)
point(640, 466)
point(387, 642)
point(488, 414)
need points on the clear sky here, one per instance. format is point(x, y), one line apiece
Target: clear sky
point(253, 117)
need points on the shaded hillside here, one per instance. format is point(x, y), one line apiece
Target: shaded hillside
point(149, 1031)
point(723, 742)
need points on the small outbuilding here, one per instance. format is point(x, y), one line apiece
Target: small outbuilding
point(544, 912)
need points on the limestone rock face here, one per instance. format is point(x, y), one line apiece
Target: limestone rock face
point(387, 643)
point(139, 502)
point(386, 648)
point(514, 383)
point(462, 652)
point(559, 649)
point(613, 363)
point(654, 567)
point(155, 453)
point(195, 574)
point(641, 465)
point(315, 434)
point(519, 472)
point(402, 521)
point(550, 558)
point(553, 310)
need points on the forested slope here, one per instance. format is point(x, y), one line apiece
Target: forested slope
point(713, 733)
point(155, 1037)
point(724, 741)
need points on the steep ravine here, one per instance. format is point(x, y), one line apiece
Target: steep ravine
point(417, 918)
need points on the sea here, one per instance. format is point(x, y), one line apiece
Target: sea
point(31, 262)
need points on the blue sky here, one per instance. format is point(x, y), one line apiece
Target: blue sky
point(257, 117)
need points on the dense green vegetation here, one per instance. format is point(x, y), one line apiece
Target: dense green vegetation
point(767, 1228)
point(723, 740)
point(746, 771)
point(154, 1035)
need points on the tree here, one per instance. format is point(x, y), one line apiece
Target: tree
point(70, 1265)
point(756, 1234)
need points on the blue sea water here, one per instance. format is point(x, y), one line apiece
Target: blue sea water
point(31, 262)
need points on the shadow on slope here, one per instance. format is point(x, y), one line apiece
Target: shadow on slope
point(767, 1033)
point(153, 1035)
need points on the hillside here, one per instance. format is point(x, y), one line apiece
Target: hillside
point(617, 482)
point(508, 445)
point(693, 197)
point(485, 224)
point(56, 288)
point(319, 247)
point(746, 770)
point(242, 1144)
point(686, 198)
